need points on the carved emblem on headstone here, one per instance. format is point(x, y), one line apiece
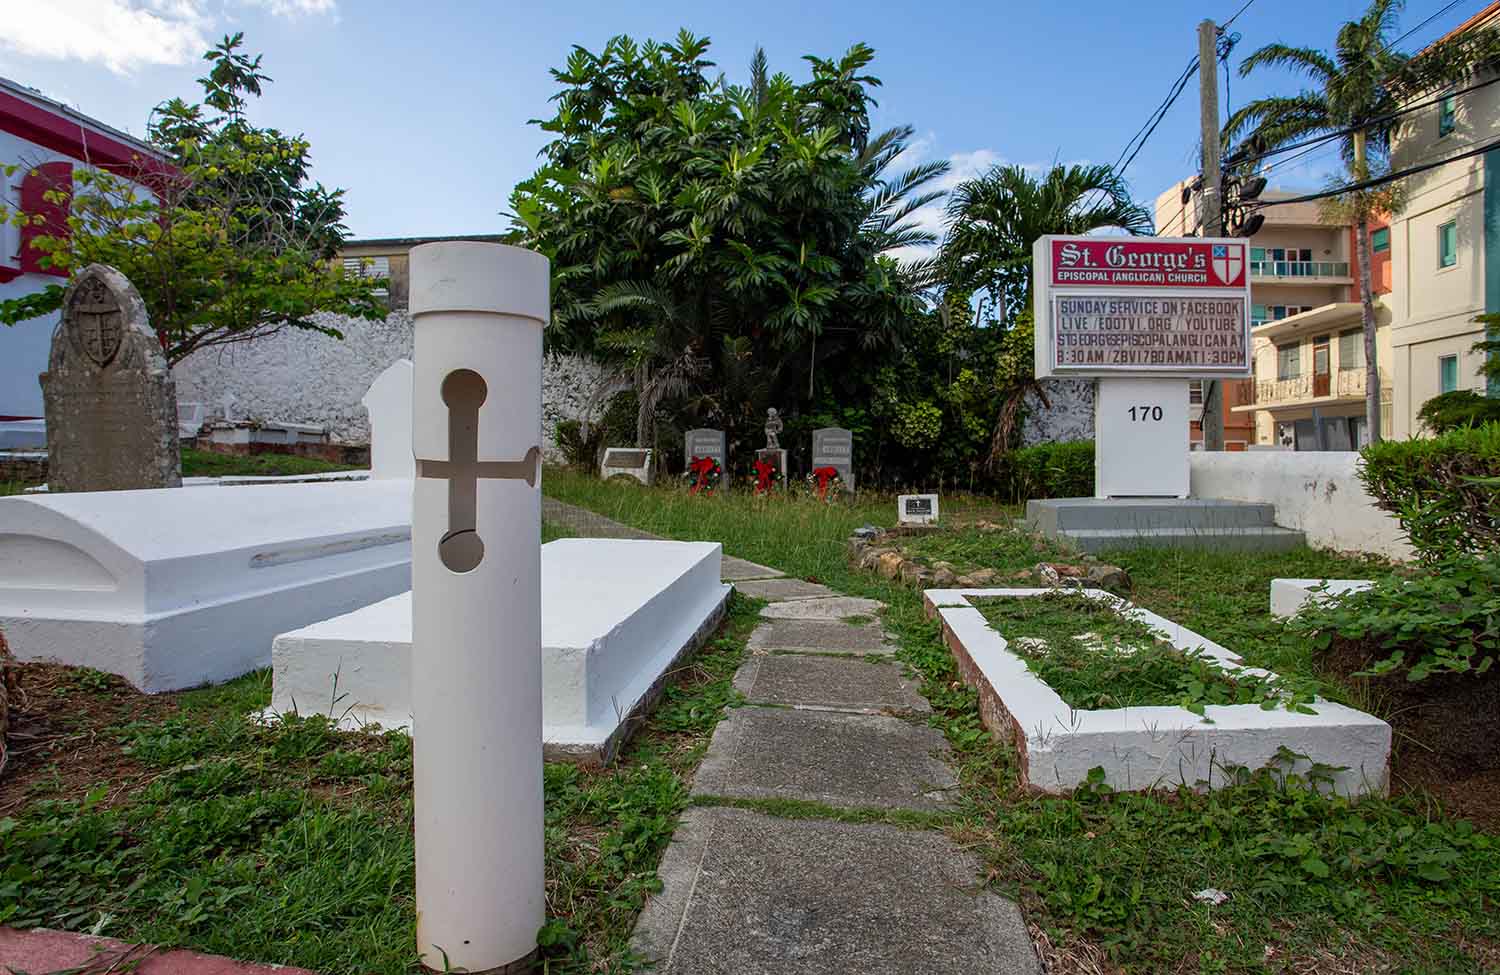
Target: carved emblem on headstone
point(97, 320)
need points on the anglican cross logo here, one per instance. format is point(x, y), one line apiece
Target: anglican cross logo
point(1229, 262)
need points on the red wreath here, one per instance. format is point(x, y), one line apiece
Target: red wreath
point(703, 470)
point(764, 475)
point(823, 475)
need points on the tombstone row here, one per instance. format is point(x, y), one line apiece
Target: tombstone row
point(832, 449)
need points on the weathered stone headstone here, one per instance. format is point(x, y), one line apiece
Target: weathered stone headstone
point(704, 442)
point(389, 404)
point(110, 400)
point(628, 461)
point(834, 447)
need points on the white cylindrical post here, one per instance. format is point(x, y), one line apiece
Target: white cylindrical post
point(476, 602)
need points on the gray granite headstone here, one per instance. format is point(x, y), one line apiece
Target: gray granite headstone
point(704, 442)
point(110, 400)
point(834, 447)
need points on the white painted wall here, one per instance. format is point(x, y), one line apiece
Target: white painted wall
point(307, 377)
point(1314, 492)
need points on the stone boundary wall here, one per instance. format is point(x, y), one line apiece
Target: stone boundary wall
point(298, 376)
point(27, 469)
point(1316, 492)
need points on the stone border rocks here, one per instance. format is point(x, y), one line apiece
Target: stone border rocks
point(1144, 748)
point(878, 550)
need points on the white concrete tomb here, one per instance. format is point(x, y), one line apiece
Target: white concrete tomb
point(1288, 596)
point(172, 589)
point(616, 615)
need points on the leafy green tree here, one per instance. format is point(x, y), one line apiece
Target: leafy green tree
point(994, 219)
point(234, 244)
point(700, 230)
point(1357, 91)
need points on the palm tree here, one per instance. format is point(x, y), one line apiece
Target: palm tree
point(994, 220)
point(1357, 91)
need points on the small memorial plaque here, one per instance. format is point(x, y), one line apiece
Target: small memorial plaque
point(917, 509)
point(628, 462)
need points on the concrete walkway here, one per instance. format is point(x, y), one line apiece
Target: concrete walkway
point(762, 876)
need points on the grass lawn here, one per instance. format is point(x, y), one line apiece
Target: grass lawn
point(177, 819)
point(11, 487)
point(205, 463)
point(1315, 884)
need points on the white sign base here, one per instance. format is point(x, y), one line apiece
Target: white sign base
point(1141, 438)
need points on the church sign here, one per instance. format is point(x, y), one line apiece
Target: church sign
point(1142, 306)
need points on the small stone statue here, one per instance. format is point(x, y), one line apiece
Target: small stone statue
point(773, 429)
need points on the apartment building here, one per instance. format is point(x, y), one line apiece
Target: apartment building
point(1445, 241)
point(1308, 386)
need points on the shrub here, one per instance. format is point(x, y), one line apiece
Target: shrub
point(580, 450)
point(1445, 491)
point(1051, 470)
point(1460, 408)
point(1446, 620)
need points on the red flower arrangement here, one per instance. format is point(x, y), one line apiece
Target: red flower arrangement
point(705, 473)
point(765, 477)
point(823, 478)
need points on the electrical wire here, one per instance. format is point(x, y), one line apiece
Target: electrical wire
point(1246, 6)
point(1379, 180)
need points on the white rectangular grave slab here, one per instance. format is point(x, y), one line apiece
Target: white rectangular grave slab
point(917, 509)
point(616, 615)
point(1288, 596)
point(172, 589)
point(1149, 747)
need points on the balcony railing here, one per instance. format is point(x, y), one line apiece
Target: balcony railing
point(1299, 269)
point(1344, 384)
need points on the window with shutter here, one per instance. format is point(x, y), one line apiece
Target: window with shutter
point(369, 267)
point(46, 197)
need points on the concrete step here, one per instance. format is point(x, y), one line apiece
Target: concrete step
point(1246, 539)
point(1145, 514)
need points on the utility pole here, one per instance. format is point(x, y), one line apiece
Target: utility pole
point(1212, 200)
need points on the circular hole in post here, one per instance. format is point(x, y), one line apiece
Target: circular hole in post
point(464, 389)
point(461, 551)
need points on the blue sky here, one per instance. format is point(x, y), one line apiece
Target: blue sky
point(419, 110)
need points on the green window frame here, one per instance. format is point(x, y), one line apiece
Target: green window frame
point(1257, 314)
point(1257, 253)
point(1289, 361)
point(1447, 115)
point(1448, 244)
point(1380, 240)
point(1447, 373)
point(1351, 349)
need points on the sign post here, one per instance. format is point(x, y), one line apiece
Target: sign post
point(1143, 315)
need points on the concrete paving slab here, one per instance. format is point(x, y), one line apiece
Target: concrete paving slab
point(822, 608)
point(738, 570)
point(871, 685)
point(820, 636)
point(776, 589)
point(851, 761)
point(749, 894)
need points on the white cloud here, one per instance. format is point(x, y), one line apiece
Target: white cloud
point(123, 35)
point(961, 166)
point(119, 34)
point(296, 8)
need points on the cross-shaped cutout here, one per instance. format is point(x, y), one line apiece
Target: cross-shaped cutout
point(464, 391)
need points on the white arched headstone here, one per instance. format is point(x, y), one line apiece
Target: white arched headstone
point(388, 401)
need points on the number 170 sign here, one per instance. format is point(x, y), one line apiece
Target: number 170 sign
point(1142, 306)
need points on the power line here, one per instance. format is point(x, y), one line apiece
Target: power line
point(1367, 124)
point(1225, 26)
point(1379, 180)
point(1424, 23)
point(1154, 119)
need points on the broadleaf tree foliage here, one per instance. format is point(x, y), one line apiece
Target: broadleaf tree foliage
point(233, 243)
point(726, 246)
